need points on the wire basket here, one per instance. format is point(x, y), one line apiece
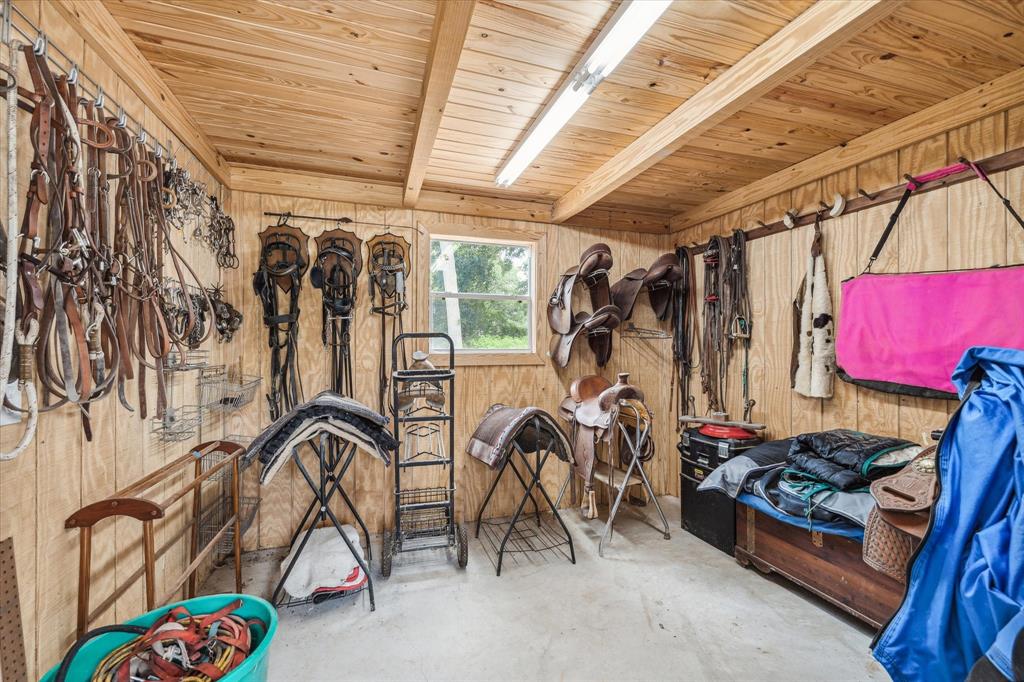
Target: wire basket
point(195, 358)
point(223, 391)
point(211, 385)
point(216, 514)
point(177, 424)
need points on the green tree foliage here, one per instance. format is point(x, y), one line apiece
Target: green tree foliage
point(485, 269)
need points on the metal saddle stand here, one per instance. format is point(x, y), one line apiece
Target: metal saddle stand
point(634, 425)
point(554, 446)
point(334, 463)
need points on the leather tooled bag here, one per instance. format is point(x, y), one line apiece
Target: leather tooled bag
point(899, 520)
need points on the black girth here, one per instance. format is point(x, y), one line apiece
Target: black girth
point(282, 263)
point(335, 274)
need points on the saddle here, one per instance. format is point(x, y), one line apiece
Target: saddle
point(597, 326)
point(592, 273)
point(592, 409)
point(503, 428)
point(659, 282)
point(900, 518)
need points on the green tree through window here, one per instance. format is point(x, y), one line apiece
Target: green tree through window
point(480, 294)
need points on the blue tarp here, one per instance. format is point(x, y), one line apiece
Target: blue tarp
point(846, 530)
point(966, 592)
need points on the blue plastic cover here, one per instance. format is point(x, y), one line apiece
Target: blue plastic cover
point(845, 530)
point(965, 597)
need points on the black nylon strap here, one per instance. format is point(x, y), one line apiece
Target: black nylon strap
point(888, 228)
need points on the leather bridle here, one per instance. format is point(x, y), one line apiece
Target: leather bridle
point(389, 272)
point(283, 261)
point(335, 274)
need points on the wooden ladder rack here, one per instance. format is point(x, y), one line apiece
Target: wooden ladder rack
point(131, 502)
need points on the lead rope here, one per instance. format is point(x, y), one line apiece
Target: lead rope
point(25, 337)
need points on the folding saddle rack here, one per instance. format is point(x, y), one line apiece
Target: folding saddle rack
point(335, 428)
point(424, 517)
point(534, 436)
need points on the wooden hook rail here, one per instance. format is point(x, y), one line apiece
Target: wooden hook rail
point(992, 165)
point(130, 502)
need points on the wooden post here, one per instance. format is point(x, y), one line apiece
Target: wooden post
point(235, 488)
point(197, 503)
point(150, 564)
point(84, 574)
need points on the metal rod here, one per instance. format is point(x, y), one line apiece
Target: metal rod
point(343, 220)
point(94, 92)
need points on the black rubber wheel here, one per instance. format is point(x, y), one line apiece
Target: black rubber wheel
point(462, 545)
point(386, 550)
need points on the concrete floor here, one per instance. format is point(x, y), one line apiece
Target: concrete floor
point(651, 609)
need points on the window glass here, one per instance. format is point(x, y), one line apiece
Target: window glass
point(481, 295)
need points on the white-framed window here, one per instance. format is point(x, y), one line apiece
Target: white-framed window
point(481, 293)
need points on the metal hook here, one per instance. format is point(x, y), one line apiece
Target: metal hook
point(865, 194)
point(282, 220)
point(760, 223)
point(159, 151)
point(174, 164)
point(100, 97)
point(143, 136)
point(40, 44)
point(122, 118)
point(73, 74)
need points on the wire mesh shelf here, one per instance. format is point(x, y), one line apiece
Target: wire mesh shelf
point(195, 358)
point(288, 602)
point(532, 541)
point(177, 424)
point(424, 521)
point(211, 385)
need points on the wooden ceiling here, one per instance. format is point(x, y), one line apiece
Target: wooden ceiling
point(334, 86)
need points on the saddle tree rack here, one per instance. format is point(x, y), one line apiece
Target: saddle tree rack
point(130, 502)
point(998, 163)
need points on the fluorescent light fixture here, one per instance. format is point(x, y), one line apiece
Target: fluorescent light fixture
point(623, 31)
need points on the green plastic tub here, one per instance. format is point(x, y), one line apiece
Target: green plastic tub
point(254, 668)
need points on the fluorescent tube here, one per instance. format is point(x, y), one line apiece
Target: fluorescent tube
point(620, 35)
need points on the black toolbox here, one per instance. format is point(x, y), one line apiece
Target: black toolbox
point(710, 515)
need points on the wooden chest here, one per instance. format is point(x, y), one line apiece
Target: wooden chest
point(830, 566)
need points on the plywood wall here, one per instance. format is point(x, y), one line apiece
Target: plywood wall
point(62, 471)
point(477, 387)
point(963, 226)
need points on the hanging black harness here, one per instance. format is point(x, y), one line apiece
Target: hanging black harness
point(283, 261)
point(335, 274)
point(684, 333)
point(389, 272)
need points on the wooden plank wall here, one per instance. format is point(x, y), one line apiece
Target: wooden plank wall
point(477, 387)
point(963, 226)
point(61, 471)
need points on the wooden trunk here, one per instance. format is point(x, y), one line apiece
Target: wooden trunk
point(830, 566)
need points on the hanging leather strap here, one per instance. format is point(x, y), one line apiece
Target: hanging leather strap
point(915, 183)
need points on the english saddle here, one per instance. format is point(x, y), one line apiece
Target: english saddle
point(658, 281)
point(592, 409)
point(592, 273)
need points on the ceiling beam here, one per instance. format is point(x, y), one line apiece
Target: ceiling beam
point(104, 35)
point(451, 24)
point(291, 183)
point(987, 99)
point(813, 34)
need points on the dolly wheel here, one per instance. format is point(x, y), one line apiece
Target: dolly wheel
point(462, 540)
point(386, 550)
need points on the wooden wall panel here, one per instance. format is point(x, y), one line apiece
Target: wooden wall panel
point(61, 470)
point(477, 386)
point(963, 226)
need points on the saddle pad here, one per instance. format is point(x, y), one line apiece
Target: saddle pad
point(906, 333)
point(491, 442)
